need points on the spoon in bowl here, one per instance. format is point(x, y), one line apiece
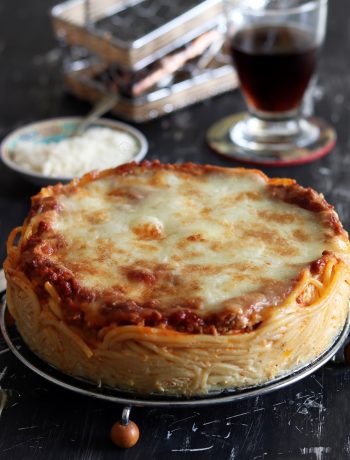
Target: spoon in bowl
point(101, 107)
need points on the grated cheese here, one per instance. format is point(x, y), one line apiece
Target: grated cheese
point(96, 148)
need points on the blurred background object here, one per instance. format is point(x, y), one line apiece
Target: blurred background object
point(158, 55)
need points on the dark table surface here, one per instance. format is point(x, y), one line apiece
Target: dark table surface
point(309, 420)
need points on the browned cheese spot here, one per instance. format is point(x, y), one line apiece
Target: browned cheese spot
point(148, 231)
point(196, 237)
point(147, 246)
point(203, 269)
point(280, 218)
point(158, 180)
point(106, 247)
point(231, 200)
point(216, 246)
point(129, 193)
point(300, 235)
point(275, 242)
point(206, 211)
point(81, 267)
point(144, 275)
point(96, 217)
point(245, 266)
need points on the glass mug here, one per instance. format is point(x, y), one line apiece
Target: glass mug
point(274, 46)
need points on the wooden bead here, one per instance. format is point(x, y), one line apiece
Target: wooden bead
point(125, 436)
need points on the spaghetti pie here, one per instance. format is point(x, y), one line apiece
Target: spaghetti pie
point(179, 279)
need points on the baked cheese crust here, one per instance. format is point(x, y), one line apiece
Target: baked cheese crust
point(179, 278)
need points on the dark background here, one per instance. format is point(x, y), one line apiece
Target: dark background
point(307, 421)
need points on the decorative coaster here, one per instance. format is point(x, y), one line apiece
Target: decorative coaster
point(218, 138)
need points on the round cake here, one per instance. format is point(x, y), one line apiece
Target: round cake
point(179, 279)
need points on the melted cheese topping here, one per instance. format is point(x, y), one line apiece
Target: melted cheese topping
point(217, 241)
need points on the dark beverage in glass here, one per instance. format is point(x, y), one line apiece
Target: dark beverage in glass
point(274, 46)
point(274, 64)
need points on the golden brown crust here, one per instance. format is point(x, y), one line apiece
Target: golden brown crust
point(114, 307)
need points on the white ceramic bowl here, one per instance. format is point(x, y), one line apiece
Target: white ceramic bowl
point(56, 129)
